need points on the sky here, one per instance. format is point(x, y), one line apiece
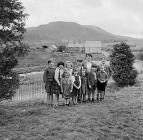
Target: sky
point(121, 17)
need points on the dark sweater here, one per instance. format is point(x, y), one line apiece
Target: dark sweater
point(92, 80)
point(48, 75)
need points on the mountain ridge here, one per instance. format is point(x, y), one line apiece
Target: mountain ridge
point(60, 30)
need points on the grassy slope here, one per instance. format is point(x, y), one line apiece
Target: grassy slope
point(118, 117)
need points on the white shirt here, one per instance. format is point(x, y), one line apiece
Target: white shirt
point(58, 72)
point(88, 66)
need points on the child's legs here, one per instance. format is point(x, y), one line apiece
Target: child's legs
point(76, 96)
point(76, 99)
point(73, 99)
point(67, 101)
point(51, 94)
point(48, 90)
point(51, 99)
point(102, 95)
point(83, 92)
point(98, 95)
point(57, 99)
point(89, 94)
point(79, 98)
point(93, 94)
point(48, 99)
point(84, 97)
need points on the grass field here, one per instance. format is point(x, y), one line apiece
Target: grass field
point(118, 117)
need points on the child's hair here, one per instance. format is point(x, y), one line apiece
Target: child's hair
point(60, 63)
point(49, 61)
point(88, 54)
point(75, 69)
point(93, 66)
point(79, 60)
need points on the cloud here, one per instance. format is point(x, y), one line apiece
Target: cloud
point(123, 17)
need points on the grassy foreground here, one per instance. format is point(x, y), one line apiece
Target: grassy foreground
point(118, 117)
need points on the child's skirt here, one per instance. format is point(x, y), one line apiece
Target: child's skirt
point(101, 86)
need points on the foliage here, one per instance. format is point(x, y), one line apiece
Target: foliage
point(122, 60)
point(12, 22)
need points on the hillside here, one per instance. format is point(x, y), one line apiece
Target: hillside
point(58, 31)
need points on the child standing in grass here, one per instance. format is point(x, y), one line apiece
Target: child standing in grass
point(103, 74)
point(79, 67)
point(102, 78)
point(92, 81)
point(76, 86)
point(57, 81)
point(84, 87)
point(66, 86)
point(48, 79)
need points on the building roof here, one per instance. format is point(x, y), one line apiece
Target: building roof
point(75, 44)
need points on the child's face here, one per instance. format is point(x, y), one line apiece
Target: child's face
point(68, 66)
point(103, 61)
point(79, 63)
point(94, 69)
point(75, 72)
point(83, 72)
point(51, 65)
point(88, 58)
point(61, 66)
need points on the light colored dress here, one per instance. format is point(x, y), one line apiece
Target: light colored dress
point(67, 85)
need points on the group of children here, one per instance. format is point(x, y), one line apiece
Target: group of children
point(78, 82)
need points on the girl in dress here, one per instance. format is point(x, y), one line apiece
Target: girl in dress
point(57, 81)
point(66, 86)
point(76, 86)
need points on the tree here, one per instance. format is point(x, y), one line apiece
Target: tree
point(12, 22)
point(122, 60)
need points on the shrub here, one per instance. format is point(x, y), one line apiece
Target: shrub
point(121, 62)
point(12, 22)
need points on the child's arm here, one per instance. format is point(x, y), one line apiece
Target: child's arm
point(79, 82)
point(89, 79)
point(71, 83)
point(62, 85)
point(44, 76)
point(75, 86)
point(57, 76)
point(73, 80)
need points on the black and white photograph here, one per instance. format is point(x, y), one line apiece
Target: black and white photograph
point(71, 69)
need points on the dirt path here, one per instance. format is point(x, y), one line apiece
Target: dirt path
point(118, 117)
